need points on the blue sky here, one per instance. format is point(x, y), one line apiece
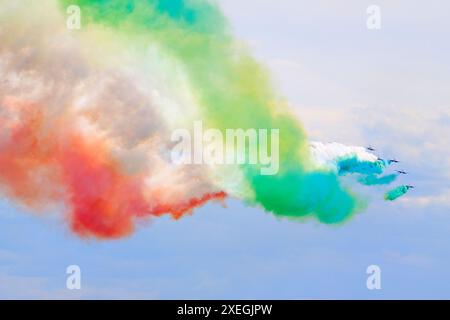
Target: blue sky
point(388, 88)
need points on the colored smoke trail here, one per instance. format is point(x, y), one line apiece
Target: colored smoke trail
point(233, 92)
point(371, 180)
point(87, 116)
point(396, 193)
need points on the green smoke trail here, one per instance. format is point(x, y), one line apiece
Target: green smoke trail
point(354, 165)
point(396, 193)
point(372, 179)
point(234, 92)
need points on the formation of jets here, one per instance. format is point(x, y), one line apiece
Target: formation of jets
point(370, 148)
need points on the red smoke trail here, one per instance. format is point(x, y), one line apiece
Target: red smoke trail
point(26, 164)
point(180, 210)
point(46, 160)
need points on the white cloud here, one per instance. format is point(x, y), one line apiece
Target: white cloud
point(441, 199)
point(29, 287)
